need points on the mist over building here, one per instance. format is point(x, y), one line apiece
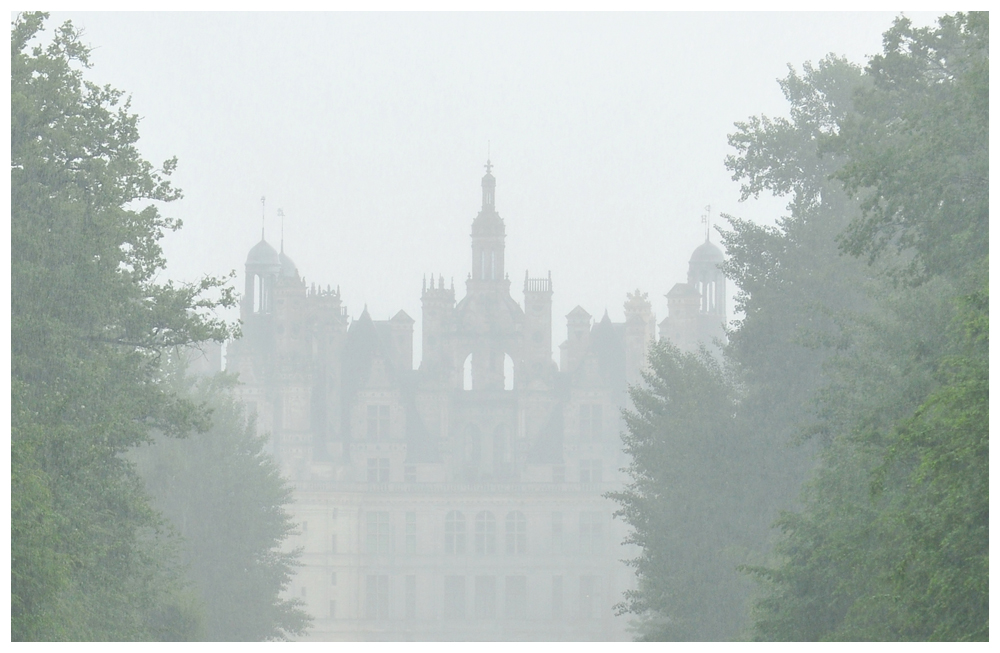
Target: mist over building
point(463, 499)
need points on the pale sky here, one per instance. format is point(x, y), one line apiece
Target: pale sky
point(607, 133)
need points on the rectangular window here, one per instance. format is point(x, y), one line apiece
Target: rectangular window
point(486, 597)
point(516, 599)
point(590, 471)
point(333, 543)
point(590, 422)
point(411, 597)
point(333, 609)
point(377, 596)
point(333, 578)
point(559, 473)
point(591, 532)
point(411, 533)
point(305, 526)
point(334, 515)
point(557, 533)
point(410, 474)
point(557, 597)
point(588, 596)
point(454, 597)
point(378, 423)
point(378, 470)
point(378, 533)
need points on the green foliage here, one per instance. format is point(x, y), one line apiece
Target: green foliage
point(892, 540)
point(923, 178)
point(864, 338)
point(226, 499)
point(89, 559)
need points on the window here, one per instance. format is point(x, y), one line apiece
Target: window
point(333, 578)
point(588, 596)
point(410, 474)
point(333, 543)
point(378, 470)
point(590, 471)
point(486, 533)
point(454, 533)
point(303, 592)
point(454, 597)
point(591, 532)
point(486, 597)
point(517, 533)
point(557, 532)
point(411, 533)
point(590, 422)
point(334, 515)
point(557, 597)
point(333, 609)
point(378, 533)
point(305, 526)
point(559, 473)
point(411, 597)
point(516, 599)
point(377, 596)
point(378, 423)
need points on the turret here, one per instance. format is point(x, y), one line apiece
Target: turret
point(438, 304)
point(577, 338)
point(488, 236)
point(537, 346)
point(640, 329)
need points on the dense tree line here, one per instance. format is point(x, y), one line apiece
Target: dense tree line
point(828, 480)
point(91, 326)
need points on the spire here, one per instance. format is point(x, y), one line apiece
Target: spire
point(489, 186)
point(281, 214)
point(706, 220)
point(262, 200)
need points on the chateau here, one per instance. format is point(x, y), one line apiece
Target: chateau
point(463, 499)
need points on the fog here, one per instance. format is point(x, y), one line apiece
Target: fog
point(370, 132)
point(450, 474)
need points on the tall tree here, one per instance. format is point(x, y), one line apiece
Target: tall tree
point(893, 540)
point(88, 324)
point(227, 501)
point(865, 336)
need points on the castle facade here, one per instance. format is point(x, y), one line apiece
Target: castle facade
point(463, 499)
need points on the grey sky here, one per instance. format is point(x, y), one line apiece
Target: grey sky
point(607, 131)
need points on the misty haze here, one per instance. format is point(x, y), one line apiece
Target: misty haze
point(555, 327)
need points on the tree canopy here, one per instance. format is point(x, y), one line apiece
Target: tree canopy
point(90, 322)
point(863, 348)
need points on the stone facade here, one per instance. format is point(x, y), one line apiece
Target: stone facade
point(461, 500)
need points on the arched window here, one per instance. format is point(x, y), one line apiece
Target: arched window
point(258, 296)
point(454, 533)
point(508, 372)
point(517, 533)
point(467, 373)
point(486, 533)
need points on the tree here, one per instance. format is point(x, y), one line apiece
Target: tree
point(226, 498)
point(89, 322)
point(864, 337)
point(892, 539)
